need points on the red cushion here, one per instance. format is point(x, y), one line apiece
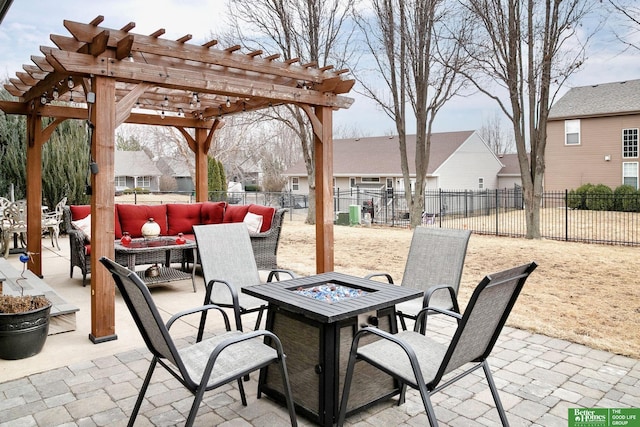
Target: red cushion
point(117, 229)
point(267, 213)
point(212, 212)
point(181, 217)
point(235, 213)
point(133, 217)
point(79, 211)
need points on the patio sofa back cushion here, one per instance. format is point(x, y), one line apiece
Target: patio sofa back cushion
point(133, 217)
point(181, 217)
point(235, 213)
point(212, 212)
point(267, 213)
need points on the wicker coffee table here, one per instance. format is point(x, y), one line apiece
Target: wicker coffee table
point(316, 334)
point(147, 248)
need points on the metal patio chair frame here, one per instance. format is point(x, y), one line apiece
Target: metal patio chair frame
point(421, 362)
point(205, 365)
point(228, 264)
point(434, 265)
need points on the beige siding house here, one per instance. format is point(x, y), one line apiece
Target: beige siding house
point(134, 169)
point(458, 161)
point(592, 137)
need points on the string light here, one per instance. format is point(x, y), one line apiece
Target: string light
point(55, 93)
point(43, 98)
point(228, 102)
point(130, 57)
point(165, 103)
point(70, 83)
point(180, 112)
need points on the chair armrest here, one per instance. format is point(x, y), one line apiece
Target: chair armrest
point(276, 273)
point(433, 289)
point(201, 309)
point(237, 339)
point(421, 318)
point(372, 275)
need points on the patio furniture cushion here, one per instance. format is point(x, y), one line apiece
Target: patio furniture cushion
point(235, 213)
point(212, 212)
point(253, 222)
point(133, 217)
point(266, 212)
point(84, 225)
point(181, 217)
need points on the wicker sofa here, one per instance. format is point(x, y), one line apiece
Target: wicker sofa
point(175, 218)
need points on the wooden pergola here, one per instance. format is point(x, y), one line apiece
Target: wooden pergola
point(109, 77)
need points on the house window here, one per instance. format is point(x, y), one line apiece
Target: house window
point(352, 183)
point(629, 143)
point(366, 179)
point(295, 183)
point(480, 183)
point(121, 181)
point(572, 132)
point(143, 182)
point(630, 174)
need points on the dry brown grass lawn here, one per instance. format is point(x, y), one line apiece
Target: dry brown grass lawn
point(588, 294)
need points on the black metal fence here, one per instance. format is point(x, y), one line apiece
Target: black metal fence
point(496, 212)
point(501, 212)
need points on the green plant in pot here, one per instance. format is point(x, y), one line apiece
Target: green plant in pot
point(24, 322)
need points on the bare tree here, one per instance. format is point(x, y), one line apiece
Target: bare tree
point(496, 136)
point(629, 29)
point(418, 60)
point(522, 49)
point(309, 30)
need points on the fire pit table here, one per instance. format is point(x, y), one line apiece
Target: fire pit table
point(316, 317)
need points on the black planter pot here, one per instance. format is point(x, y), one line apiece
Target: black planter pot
point(23, 334)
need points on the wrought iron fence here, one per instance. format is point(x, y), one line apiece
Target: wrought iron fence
point(496, 212)
point(501, 212)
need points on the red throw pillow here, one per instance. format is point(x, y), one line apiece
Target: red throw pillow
point(235, 213)
point(212, 212)
point(133, 217)
point(79, 211)
point(181, 217)
point(267, 213)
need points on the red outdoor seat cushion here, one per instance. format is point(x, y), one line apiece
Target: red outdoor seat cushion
point(235, 213)
point(181, 217)
point(267, 213)
point(133, 217)
point(212, 212)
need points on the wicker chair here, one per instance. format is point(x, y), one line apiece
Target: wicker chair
point(205, 365)
point(265, 245)
point(434, 265)
point(420, 362)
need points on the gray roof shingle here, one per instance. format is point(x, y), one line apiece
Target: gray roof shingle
point(134, 163)
point(598, 100)
point(380, 155)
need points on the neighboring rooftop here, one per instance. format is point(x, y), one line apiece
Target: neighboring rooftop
point(380, 155)
point(598, 100)
point(130, 163)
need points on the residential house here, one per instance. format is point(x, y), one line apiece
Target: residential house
point(592, 137)
point(179, 170)
point(134, 169)
point(458, 160)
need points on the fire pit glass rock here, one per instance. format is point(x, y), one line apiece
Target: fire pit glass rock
point(330, 292)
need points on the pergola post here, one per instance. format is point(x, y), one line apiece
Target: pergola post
point(323, 146)
point(34, 192)
point(201, 149)
point(103, 119)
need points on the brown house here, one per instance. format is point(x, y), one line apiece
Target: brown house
point(592, 137)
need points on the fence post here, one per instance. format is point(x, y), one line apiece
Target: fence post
point(566, 214)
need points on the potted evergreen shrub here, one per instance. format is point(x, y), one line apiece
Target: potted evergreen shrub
point(24, 323)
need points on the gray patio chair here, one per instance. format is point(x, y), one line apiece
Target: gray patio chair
point(228, 264)
point(434, 265)
point(421, 362)
point(206, 364)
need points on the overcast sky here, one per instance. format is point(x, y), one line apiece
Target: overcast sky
point(29, 23)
